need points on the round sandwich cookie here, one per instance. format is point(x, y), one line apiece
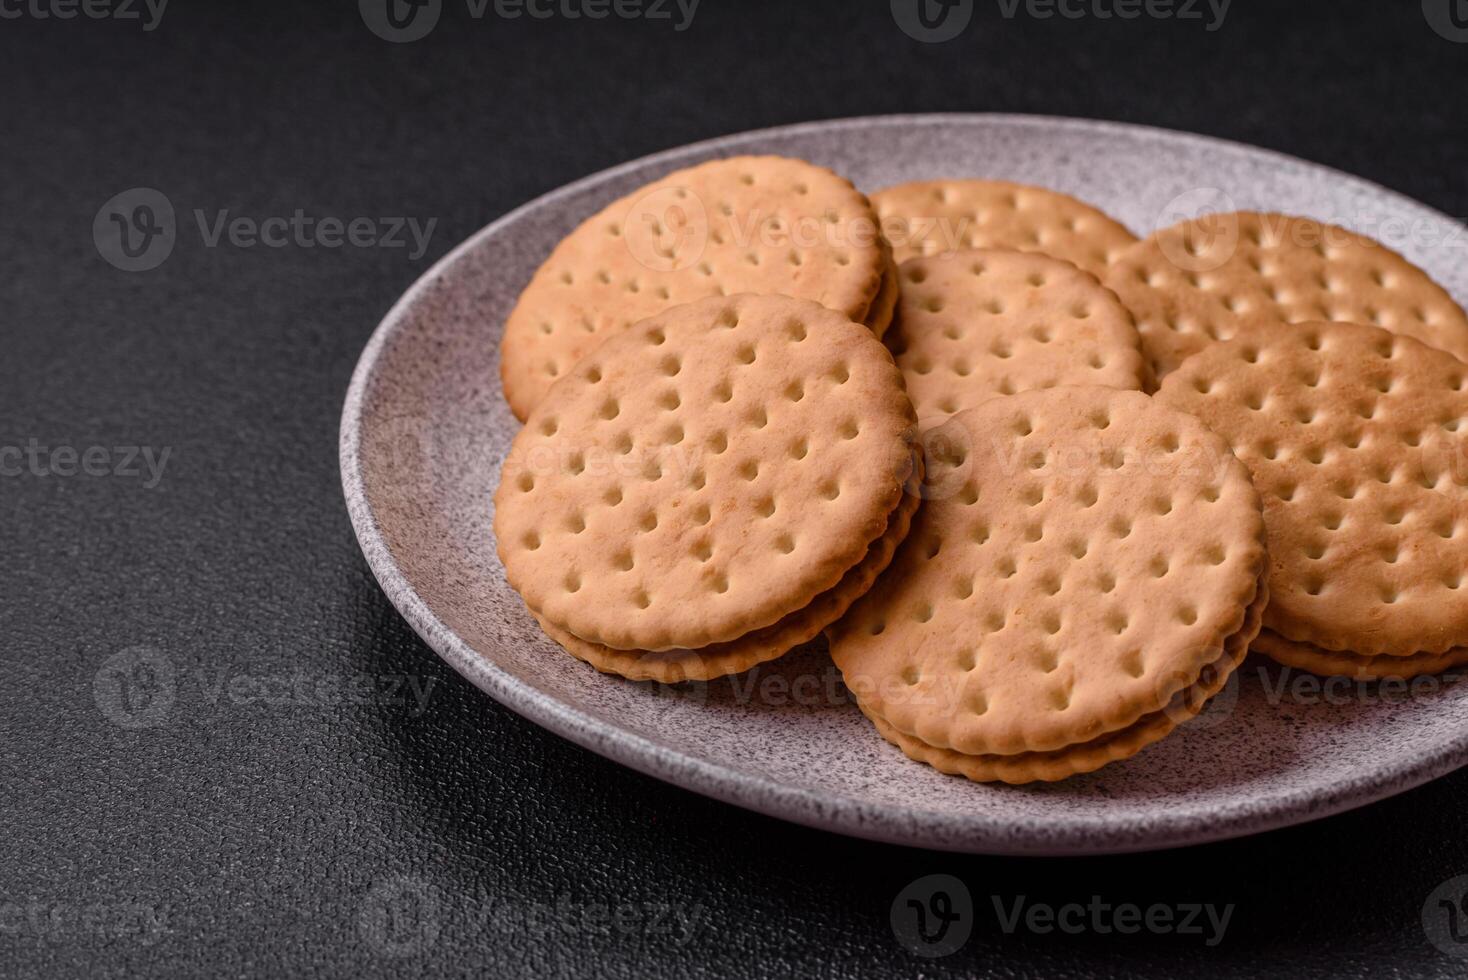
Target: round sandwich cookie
point(1200, 281)
point(1093, 577)
point(704, 474)
point(740, 225)
point(759, 646)
point(974, 325)
point(1025, 767)
point(1357, 439)
point(932, 217)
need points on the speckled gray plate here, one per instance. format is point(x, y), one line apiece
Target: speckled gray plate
point(425, 428)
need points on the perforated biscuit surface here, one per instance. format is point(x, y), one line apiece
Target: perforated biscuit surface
point(1356, 439)
point(745, 224)
point(936, 216)
point(1095, 556)
point(704, 473)
point(756, 647)
point(1026, 767)
point(1199, 281)
point(976, 324)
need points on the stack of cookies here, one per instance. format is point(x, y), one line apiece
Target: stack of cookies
point(709, 488)
point(1095, 575)
point(744, 225)
point(1355, 438)
point(726, 448)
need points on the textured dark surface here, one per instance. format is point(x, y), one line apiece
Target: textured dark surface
point(308, 834)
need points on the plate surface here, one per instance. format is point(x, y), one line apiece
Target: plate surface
point(425, 428)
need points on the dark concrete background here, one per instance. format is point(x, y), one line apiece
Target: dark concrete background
point(345, 832)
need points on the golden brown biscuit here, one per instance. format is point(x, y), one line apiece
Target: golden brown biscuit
point(704, 474)
point(1356, 440)
point(773, 641)
point(767, 225)
point(977, 324)
point(1093, 560)
point(1028, 767)
point(1200, 281)
point(931, 217)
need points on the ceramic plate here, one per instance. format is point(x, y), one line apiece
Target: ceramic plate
point(425, 429)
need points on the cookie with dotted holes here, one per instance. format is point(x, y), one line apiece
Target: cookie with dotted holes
point(735, 656)
point(977, 324)
point(745, 224)
point(1027, 767)
point(1200, 281)
point(1095, 556)
point(704, 473)
point(1358, 442)
point(931, 217)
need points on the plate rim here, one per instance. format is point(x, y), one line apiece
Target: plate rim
point(825, 810)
